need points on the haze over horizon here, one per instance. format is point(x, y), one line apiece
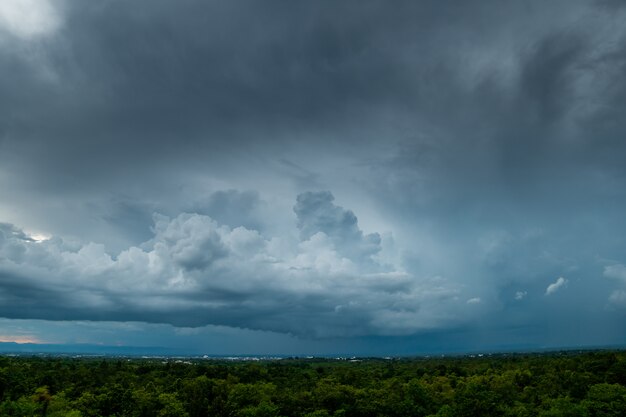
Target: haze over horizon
point(313, 177)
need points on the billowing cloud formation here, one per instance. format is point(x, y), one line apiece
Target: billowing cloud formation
point(317, 214)
point(555, 286)
point(195, 271)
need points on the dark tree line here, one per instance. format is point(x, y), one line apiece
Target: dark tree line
point(560, 384)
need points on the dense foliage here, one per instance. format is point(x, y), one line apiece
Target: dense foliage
point(560, 384)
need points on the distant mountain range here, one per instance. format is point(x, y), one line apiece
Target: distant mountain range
point(8, 348)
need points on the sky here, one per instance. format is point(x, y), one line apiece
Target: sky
point(360, 177)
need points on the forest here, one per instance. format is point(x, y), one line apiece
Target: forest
point(591, 383)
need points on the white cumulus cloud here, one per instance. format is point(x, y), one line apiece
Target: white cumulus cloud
point(556, 286)
point(520, 295)
point(195, 271)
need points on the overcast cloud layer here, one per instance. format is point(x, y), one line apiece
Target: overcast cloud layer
point(319, 169)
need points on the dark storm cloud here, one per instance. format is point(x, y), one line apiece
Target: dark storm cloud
point(131, 67)
point(123, 88)
point(482, 144)
point(136, 86)
point(533, 136)
point(132, 75)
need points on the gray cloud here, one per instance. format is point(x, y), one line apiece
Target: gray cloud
point(556, 286)
point(480, 143)
point(195, 272)
point(617, 272)
point(232, 208)
point(317, 214)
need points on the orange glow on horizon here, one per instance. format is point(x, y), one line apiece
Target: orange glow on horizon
point(19, 339)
